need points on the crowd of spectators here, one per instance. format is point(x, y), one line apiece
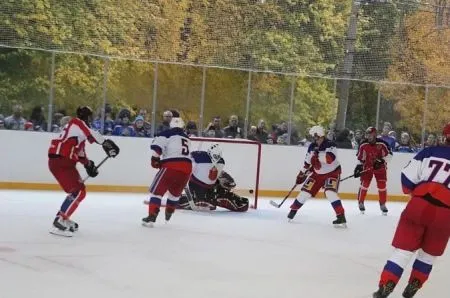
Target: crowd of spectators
point(135, 123)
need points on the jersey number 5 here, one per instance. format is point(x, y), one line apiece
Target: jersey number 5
point(438, 166)
point(185, 146)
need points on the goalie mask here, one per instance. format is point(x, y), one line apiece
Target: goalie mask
point(215, 153)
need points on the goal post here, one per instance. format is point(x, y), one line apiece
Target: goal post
point(242, 161)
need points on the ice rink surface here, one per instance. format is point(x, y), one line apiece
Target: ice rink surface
point(216, 254)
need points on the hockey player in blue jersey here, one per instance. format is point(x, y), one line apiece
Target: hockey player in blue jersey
point(210, 185)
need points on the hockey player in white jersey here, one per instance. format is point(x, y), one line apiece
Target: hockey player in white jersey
point(424, 226)
point(321, 170)
point(171, 155)
point(209, 185)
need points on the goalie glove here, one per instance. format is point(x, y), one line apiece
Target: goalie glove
point(378, 163)
point(226, 181)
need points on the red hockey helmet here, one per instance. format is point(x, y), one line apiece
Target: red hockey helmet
point(371, 134)
point(371, 130)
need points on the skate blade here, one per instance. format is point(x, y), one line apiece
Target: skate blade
point(148, 224)
point(384, 213)
point(60, 233)
point(363, 212)
point(340, 226)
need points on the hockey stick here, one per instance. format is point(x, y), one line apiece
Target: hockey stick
point(351, 176)
point(273, 203)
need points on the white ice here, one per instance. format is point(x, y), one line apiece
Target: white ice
point(219, 254)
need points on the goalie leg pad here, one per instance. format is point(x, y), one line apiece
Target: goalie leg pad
point(233, 202)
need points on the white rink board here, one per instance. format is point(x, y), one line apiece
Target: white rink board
point(199, 255)
point(24, 155)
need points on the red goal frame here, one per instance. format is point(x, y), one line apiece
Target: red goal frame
point(240, 141)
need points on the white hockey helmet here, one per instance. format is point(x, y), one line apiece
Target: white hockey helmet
point(215, 153)
point(176, 122)
point(317, 130)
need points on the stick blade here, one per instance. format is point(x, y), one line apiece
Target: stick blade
point(273, 203)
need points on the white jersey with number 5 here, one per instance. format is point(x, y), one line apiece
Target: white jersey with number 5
point(173, 146)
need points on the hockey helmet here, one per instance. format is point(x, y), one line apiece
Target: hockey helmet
point(215, 153)
point(85, 113)
point(371, 134)
point(176, 122)
point(317, 130)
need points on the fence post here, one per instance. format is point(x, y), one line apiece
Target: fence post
point(424, 121)
point(247, 109)
point(51, 95)
point(378, 108)
point(105, 88)
point(155, 94)
point(291, 108)
point(202, 103)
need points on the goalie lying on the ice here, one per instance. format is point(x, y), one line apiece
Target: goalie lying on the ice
point(210, 186)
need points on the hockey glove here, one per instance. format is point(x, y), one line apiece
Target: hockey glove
point(111, 149)
point(91, 169)
point(378, 163)
point(358, 170)
point(156, 162)
point(301, 177)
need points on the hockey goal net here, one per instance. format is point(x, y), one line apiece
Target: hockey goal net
point(242, 161)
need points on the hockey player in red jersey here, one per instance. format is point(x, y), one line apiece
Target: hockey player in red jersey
point(64, 153)
point(373, 155)
point(171, 155)
point(424, 225)
point(321, 161)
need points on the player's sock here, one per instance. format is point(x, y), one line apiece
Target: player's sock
point(421, 270)
point(338, 208)
point(154, 205)
point(170, 208)
point(391, 272)
point(296, 205)
point(335, 201)
point(362, 193)
point(71, 203)
point(382, 194)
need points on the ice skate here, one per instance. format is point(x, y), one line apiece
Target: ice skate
point(362, 208)
point(168, 214)
point(385, 290)
point(411, 289)
point(149, 221)
point(73, 226)
point(291, 215)
point(340, 221)
point(61, 227)
point(383, 209)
